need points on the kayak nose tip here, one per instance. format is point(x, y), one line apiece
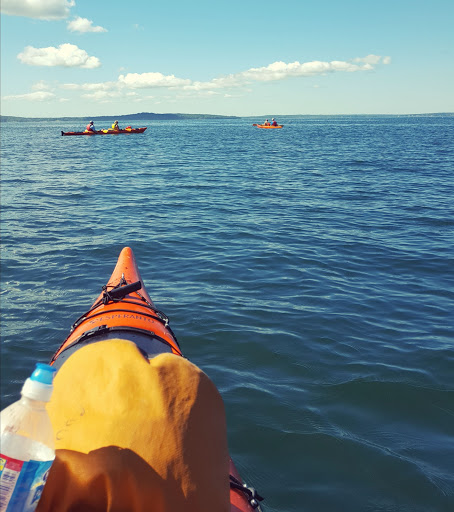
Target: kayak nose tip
point(126, 255)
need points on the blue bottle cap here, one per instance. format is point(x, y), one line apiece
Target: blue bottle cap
point(43, 373)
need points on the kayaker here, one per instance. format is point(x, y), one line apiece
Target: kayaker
point(90, 127)
point(136, 434)
point(115, 126)
point(274, 122)
point(266, 123)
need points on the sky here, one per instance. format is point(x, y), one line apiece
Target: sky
point(237, 57)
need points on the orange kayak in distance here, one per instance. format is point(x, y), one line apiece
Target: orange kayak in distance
point(125, 310)
point(107, 132)
point(268, 127)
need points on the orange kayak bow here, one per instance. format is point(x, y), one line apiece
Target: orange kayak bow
point(125, 310)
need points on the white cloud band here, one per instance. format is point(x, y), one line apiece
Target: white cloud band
point(276, 71)
point(150, 80)
point(69, 55)
point(32, 96)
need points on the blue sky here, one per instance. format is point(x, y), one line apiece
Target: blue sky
point(244, 58)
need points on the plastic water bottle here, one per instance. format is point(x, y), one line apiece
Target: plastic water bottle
point(27, 444)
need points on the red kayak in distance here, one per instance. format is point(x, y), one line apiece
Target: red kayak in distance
point(107, 132)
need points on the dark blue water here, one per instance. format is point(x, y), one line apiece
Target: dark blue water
point(308, 271)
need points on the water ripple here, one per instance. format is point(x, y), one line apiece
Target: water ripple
point(308, 272)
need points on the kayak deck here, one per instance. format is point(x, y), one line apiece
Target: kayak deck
point(124, 309)
point(107, 132)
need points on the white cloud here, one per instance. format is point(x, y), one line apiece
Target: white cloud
point(66, 55)
point(100, 86)
point(40, 86)
point(101, 95)
point(41, 9)
point(281, 70)
point(101, 91)
point(373, 60)
point(337, 65)
point(105, 96)
point(70, 87)
point(216, 83)
point(32, 96)
point(148, 80)
point(83, 25)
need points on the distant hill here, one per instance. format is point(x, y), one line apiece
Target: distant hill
point(150, 116)
point(127, 117)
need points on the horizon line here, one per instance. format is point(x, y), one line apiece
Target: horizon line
point(225, 116)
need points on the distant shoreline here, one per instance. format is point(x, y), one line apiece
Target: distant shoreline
point(126, 117)
point(181, 117)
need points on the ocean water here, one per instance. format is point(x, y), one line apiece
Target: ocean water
point(308, 271)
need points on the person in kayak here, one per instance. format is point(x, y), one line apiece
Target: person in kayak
point(274, 122)
point(136, 434)
point(115, 126)
point(90, 127)
point(266, 123)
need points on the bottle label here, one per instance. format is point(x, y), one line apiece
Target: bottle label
point(21, 483)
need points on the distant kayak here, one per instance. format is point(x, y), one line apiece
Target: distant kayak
point(107, 132)
point(268, 127)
